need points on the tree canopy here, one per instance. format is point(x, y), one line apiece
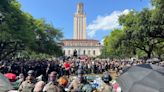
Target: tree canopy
point(21, 32)
point(141, 35)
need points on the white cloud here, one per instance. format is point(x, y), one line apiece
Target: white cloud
point(150, 6)
point(102, 41)
point(108, 23)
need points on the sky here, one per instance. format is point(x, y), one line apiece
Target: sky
point(102, 15)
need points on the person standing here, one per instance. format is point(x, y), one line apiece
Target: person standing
point(19, 80)
point(107, 86)
point(51, 86)
point(67, 68)
point(63, 83)
point(77, 84)
point(27, 85)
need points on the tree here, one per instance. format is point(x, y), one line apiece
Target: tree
point(13, 27)
point(20, 31)
point(158, 19)
point(139, 29)
point(113, 46)
point(143, 32)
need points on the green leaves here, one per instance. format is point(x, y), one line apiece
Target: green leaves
point(113, 46)
point(142, 33)
point(35, 34)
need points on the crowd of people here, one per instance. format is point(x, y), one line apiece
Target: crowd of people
point(56, 75)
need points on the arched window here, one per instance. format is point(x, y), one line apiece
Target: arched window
point(89, 52)
point(84, 52)
point(64, 52)
point(69, 52)
point(78, 52)
point(94, 52)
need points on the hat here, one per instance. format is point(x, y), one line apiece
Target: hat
point(30, 71)
point(63, 81)
point(106, 77)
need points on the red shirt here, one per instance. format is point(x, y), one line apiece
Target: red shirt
point(67, 66)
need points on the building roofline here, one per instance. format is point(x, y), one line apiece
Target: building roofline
point(79, 40)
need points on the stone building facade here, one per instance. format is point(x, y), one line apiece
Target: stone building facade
point(87, 47)
point(80, 43)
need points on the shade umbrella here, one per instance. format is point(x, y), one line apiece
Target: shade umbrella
point(10, 76)
point(4, 84)
point(142, 78)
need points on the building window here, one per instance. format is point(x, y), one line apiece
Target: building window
point(78, 52)
point(88, 52)
point(69, 52)
point(64, 52)
point(84, 52)
point(94, 52)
